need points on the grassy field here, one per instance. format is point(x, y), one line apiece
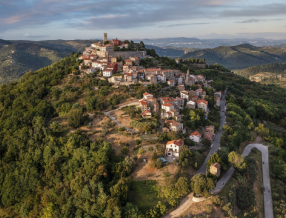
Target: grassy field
point(144, 194)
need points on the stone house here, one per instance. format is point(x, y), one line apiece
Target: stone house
point(215, 169)
point(191, 104)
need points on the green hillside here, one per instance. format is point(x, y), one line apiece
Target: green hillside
point(266, 74)
point(240, 56)
point(19, 57)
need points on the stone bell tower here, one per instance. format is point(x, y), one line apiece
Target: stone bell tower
point(104, 37)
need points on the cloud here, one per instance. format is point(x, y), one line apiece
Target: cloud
point(34, 36)
point(103, 14)
point(257, 20)
point(182, 24)
point(256, 11)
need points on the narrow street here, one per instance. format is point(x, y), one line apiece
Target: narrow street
point(216, 141)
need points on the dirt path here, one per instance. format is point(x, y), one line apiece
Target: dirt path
point(184, 205)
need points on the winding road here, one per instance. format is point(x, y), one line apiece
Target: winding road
point(215, 145)
point(268, 208)
point(188, 200)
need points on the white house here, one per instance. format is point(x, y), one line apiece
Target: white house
point(147, 95)
point(195, 136)
point(184, 95)
point(168, 107)
point(202, 104)
point(173, 147)
point(107, 72)
point(91, 70)
point(99, 65)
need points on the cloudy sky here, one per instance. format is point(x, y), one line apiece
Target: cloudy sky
point(87, 19)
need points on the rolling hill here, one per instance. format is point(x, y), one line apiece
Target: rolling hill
point(19, 57)
point(266, 74)
point(240, 56)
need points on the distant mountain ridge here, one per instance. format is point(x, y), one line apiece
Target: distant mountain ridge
point(240, 56)
point(208, 43)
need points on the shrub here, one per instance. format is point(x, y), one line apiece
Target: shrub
point(209, 208)
point(159, 163)
point(125, 150)
point(150, 148)
point(141, 151)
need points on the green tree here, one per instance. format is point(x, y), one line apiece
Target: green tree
point(183, 186)
point(75, 117)
point(237, 160)
point(206, 142)
point(200, 184)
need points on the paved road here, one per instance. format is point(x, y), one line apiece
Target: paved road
point(268, 208)
point(215, 145)
point(121, 106)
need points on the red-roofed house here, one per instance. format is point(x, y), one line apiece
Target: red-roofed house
point(167, 107)
point(129, 62)
point(173, 147)
point(147, 95)
point(171, 83)
point(146, 114)
point(195, 136)
point(127, 77)
point(202, 104)
point(144, 105)
point(174, 125)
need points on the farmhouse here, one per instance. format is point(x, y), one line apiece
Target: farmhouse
point(173, 147)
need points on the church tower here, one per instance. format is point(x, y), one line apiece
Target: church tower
point(188, 77)
point(104, 37)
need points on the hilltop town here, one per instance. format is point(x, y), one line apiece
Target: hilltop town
point(119, 62)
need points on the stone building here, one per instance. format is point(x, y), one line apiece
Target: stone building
point(215, 169)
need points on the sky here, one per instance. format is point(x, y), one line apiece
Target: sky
point(133, 19)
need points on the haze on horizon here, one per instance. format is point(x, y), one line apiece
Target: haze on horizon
point(87, 19)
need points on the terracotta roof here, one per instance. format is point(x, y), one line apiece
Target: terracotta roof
point(196, 133)
point(202, 101)
point(143, 102)
point(167, 105)
point(176, 142)
point(146, 93)
point(171, 81)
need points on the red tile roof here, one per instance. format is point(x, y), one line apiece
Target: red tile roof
point(196, 133)
point(176, 142)
point(167, 105)
point(202, 101)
